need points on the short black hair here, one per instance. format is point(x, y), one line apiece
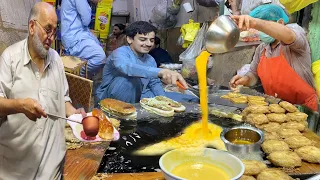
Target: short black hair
point(140, 27)
point(120, 26)
point(157, 40)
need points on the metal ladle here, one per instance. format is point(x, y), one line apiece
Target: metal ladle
point(56, 116)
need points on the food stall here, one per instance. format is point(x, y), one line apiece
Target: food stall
point(270, 136)
point(118, 159)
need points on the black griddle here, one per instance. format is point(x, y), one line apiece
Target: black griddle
point(145, 131)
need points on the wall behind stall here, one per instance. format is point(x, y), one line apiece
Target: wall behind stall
point(120, 5)
point(146, 7)
point(14, 21)
point(200, 14)
point(314, 32)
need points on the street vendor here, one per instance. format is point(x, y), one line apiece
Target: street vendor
point(77, 38)
point(33, 83)
point(282, 62)
point(131, 73)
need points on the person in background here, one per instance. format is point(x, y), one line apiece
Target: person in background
point(76, 36)
point(160, 55)
point(131, 73)
point(283, 62)
point(118, 37)
point(32, 84)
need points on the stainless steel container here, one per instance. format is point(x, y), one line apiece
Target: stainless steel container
point(247, 133)
point(222, 35)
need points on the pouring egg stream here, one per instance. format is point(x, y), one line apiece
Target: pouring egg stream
point(201, 65)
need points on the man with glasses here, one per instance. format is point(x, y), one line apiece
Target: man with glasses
point(32, 84)
point(77, 38)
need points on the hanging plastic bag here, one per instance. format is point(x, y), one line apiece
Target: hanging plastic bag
point(191, 53)
point(189, 32)
point(207, 3)
point(174, 8)
point(180, 40)
point(296, 5)
point(161, 16)
point(316, 75)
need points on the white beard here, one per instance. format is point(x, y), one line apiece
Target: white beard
point(39, 47)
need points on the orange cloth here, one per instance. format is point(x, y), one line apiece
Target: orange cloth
point(279, 78)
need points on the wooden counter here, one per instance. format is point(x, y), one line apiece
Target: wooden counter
point(136, 176)
point(84, 163)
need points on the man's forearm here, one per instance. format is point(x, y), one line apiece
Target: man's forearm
point(10, 106)
point(69, 109)
point(276, 30)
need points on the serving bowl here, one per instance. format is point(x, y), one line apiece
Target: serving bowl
point(232, 138)
point(221, 159)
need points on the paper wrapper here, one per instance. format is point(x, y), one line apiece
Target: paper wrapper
point(78, 132)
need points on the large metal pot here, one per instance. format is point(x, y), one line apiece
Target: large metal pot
point(248, 133)
point(222, 35)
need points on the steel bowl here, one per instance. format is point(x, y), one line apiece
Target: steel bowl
point(222, 35)
point(248, 133)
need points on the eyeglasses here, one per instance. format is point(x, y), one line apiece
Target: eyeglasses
point(50, 31)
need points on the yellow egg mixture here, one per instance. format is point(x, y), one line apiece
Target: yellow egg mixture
point(240, 141)
point(202, 170)
point(199, 171)
point(200, 134)
point(191, 137)
point(201, 65)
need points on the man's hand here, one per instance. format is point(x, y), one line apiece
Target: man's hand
point(171, 77)
point(70, 110)
point(239, 80)
point(244, 22)
point(32, 109)
point(81, 111)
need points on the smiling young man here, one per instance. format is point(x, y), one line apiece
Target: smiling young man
point(131, 73)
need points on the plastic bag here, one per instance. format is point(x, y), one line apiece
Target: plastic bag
point(207, 3)
point(174, 9)
point(163, 14)
point(191, 53)
point(316, 75)
point(296, 5)
point(189, 32)
point(180, 40)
